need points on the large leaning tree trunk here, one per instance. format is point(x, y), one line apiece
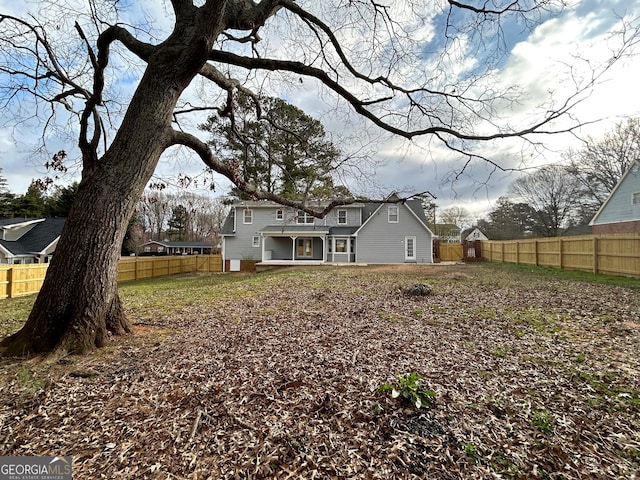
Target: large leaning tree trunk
point(78, 305)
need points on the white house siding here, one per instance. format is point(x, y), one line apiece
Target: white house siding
point(381, 242)
point(619, 207)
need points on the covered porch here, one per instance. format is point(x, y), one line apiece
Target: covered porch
point(307, 244)
point(300, 244)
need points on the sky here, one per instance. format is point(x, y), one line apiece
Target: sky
point(537, 62)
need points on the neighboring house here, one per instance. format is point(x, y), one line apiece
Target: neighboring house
point(155, 247)
point(620, 213)
point(29, 240)
point(447, 232)
point(474, 234)
point(365, 232)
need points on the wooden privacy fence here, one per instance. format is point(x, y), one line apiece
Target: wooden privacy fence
point(610, 254)
point(18, 280)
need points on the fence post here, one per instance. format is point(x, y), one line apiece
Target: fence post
point(10, 285)
point(517, 252)
point(595, 255)
point(535, 252)
point(560, 250)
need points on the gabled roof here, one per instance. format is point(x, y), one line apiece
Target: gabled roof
point(413, 205)
point(42, 235)
point(632, 173)
point(227, 228)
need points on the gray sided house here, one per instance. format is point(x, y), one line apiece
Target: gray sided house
point(364, 232)
point(620, 213)
point(29, 240)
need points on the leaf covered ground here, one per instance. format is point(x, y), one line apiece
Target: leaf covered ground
point(277, 375)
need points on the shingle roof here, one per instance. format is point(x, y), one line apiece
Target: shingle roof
point(37, 239)
point(343, 230)
point(227, 228)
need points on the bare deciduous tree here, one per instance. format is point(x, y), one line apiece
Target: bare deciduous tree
point(458, 216)
point(601, 163)
point(370, 56)
point(553, 193)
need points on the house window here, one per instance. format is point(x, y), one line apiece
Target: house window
point(147, 249)
point(247, 216)
point(280, 214)
point(255, 241)
point(304, 247)
point(393, 214)
point(341, 245)
point(160, 249)
point(342, 217)
point(304, 217)
point(635, 198)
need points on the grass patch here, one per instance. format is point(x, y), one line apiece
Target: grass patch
point(14, 312)
point(550, 273)
point(543, 421)
point(610, 388)
point(29, 383)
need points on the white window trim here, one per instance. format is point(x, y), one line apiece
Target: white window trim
point(342, 210)
point(255, 241)
point(346, 244)
point(397, 213)
point(244, 216)
point(635, 198)
point(279, 214)
point(305, 219)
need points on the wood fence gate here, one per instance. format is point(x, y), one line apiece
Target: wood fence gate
point(457, 252)
point(451, 252)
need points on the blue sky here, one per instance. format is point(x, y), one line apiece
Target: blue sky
point(535, 64)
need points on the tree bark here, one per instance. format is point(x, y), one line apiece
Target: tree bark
point(78, 307)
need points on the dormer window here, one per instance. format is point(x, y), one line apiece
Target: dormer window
point(279, 214)
point(342, 217)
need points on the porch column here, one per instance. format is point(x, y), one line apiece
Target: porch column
point(324, 248)
point(293, 248)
